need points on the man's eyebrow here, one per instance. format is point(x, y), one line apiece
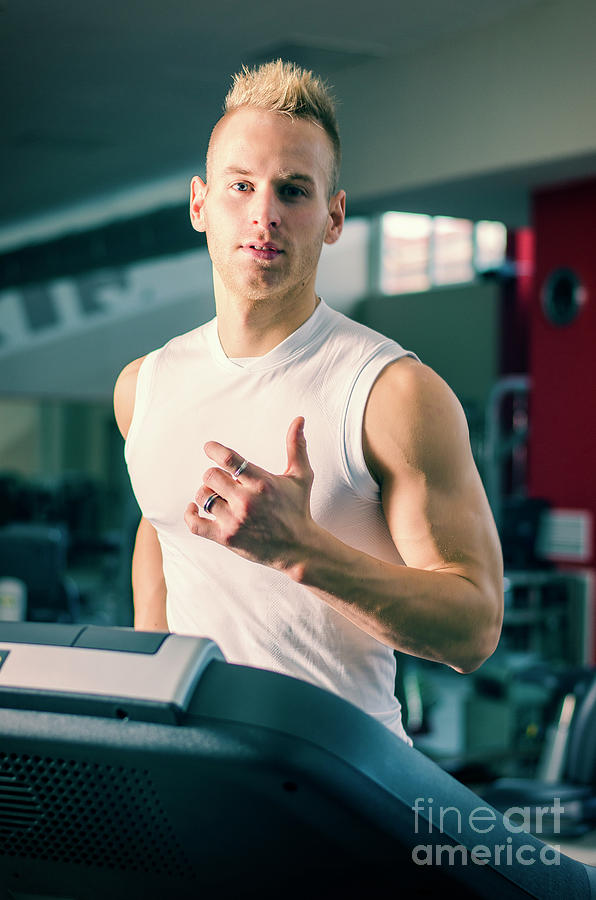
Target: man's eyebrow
point(297, 176)
point(285, 176)
point(236, 170)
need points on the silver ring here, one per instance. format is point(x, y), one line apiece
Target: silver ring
point(240, 469)
point(209, 502)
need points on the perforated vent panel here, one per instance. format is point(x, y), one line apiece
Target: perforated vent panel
point(73, 811)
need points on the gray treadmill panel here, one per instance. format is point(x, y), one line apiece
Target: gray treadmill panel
point(115, 672)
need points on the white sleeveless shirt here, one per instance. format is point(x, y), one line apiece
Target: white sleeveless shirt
point(189, 392)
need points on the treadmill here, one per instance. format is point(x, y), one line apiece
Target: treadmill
point(143, 765)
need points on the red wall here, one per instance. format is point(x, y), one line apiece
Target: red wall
point(562, 360)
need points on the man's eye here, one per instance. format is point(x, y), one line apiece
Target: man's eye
point(240, 186)
point(292, 190)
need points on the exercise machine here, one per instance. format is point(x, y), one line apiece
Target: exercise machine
point(143, 765)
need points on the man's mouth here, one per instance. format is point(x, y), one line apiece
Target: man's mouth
point(262, 251)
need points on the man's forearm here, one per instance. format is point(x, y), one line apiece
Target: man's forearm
point(150, 612)
point(148, 584)
point(442, 615)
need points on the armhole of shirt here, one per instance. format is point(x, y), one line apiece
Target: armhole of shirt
point(356, 470)
point(142, 397)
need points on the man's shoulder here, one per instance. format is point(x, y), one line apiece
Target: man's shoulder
point(124, 394)
point(342, 322)
point(131, 370)
point(411, 412)
point(351, 335)
point(413, 385)
point(175, 344)
point(125, 388)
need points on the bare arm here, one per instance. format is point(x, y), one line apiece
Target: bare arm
point(148, 585)
point(446, 603)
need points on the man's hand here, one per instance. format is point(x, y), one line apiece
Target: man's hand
point(260, 516)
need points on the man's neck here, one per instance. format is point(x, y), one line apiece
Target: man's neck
point(253, 328)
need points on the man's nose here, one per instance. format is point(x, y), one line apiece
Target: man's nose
point(265, 210)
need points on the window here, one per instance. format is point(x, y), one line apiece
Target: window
point(452, 258)
point(420, 251)
point(405, 252)
point(489, 246)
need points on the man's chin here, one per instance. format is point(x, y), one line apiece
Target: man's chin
point(265, 284)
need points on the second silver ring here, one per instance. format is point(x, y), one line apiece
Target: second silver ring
point(240, 469)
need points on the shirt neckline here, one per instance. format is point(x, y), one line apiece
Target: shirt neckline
point(282, 353)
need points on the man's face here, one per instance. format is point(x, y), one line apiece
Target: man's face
point(266, 209)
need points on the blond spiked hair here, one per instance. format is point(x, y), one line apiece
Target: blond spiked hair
point(284, 87)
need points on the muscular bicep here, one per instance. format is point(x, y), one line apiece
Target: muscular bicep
point(436, 509)
point(439, 517)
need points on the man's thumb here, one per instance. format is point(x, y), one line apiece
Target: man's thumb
point(298, 462)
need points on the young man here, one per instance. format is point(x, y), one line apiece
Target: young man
point(318, 559)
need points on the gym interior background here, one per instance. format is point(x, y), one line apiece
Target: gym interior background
point(470, 166)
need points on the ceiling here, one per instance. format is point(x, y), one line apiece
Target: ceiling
point(108, 106)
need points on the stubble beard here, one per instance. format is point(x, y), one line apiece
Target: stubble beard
point(262, 284)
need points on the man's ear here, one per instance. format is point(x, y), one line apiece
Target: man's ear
point(198, 189)
point(337, 214)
